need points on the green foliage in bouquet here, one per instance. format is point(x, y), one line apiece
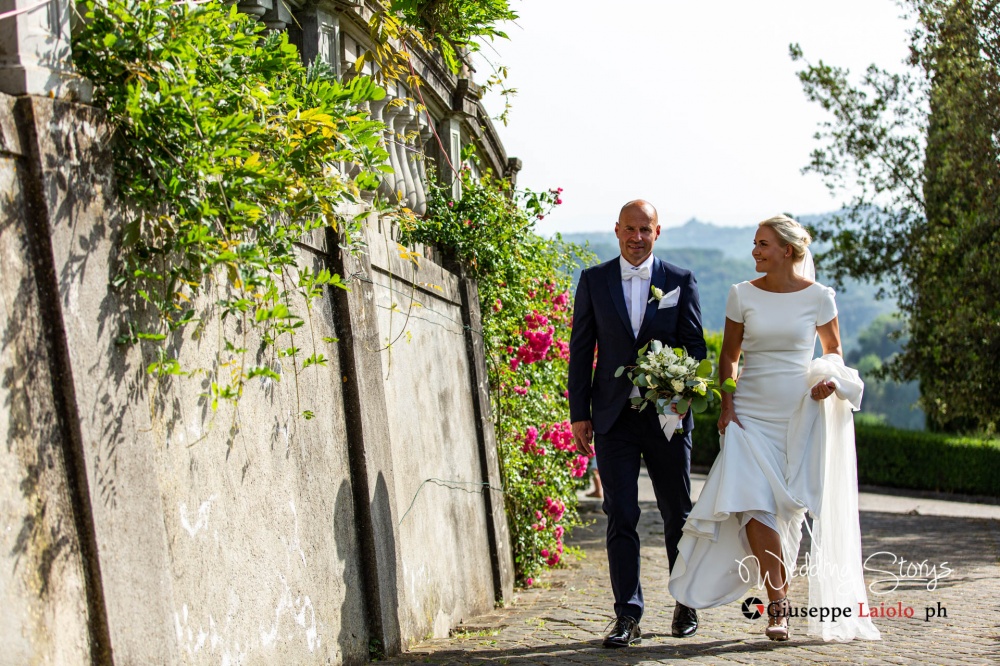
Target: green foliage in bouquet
point(667, 374)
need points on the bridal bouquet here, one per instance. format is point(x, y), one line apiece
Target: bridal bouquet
point(665, 375)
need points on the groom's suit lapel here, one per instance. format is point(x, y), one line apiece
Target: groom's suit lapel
point(658, 279)
point(617, 293)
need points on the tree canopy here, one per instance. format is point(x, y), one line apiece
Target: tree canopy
point(922, 151)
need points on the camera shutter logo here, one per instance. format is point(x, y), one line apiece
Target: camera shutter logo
point(753, 608)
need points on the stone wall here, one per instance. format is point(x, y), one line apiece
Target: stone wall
point(141, 526)
point(429, 400)
point(42, 583)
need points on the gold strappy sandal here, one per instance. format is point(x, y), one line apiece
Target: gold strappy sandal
point(777, 620)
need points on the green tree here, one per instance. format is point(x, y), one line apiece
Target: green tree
point(922, 150)
point(887, 401)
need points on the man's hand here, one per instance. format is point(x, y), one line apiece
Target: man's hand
point(583, 435)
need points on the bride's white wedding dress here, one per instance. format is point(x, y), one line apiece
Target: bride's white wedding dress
point(793, 455)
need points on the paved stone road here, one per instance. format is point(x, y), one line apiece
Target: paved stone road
point(562, 619)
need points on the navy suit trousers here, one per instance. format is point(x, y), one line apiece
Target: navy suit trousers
point(638, 435)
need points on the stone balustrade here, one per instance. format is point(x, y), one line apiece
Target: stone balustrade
point(425, 130)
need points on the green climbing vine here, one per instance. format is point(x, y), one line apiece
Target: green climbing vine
point(524, 294)
point(230, 151)
point(455, 29)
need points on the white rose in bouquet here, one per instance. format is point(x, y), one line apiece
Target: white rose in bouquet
point(665, 375)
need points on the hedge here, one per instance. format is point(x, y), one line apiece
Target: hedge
point(898, 458)
point(705, 439)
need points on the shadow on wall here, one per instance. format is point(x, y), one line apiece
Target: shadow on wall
point(32, 433)
point(354, 636)
point(385, 627)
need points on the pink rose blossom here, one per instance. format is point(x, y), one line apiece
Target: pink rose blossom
point(560, 435)
point(534, 320)
point(578, 467)
point(555, 508)
point(537, 344)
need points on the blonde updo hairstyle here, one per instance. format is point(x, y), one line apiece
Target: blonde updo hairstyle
point(791, 233)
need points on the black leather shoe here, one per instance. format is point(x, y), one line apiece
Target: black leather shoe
point(625, 632)
point(685, 621)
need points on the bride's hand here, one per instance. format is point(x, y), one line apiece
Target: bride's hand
point(728, 416)
point(823, 390)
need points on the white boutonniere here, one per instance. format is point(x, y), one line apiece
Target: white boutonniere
point(657, 294)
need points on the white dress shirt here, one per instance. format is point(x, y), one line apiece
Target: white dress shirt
point(640, 289)
point(636, 293)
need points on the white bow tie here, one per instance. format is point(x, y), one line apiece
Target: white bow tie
point(629, 273)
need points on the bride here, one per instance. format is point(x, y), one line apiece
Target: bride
point(787, 449)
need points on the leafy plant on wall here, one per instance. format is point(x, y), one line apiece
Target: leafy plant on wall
point(524, 289)
point(454, 29)
point(230, 151)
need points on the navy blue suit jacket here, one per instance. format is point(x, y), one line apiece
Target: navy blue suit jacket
point(600, 317)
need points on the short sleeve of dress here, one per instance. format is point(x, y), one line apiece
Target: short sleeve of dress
point(827, 307)
point(734, 311)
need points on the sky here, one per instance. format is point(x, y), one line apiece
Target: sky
point(694, 106)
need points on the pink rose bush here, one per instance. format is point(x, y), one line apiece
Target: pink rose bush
point(525, 285)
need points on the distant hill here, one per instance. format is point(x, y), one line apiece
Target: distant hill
point(720, 256)
point(730, 241)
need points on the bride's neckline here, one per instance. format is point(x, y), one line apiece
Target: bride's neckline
point(767, 291)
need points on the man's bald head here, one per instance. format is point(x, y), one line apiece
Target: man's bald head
point(640, 206)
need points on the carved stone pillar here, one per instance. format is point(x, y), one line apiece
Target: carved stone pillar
point(417, 161)
point(278, 17)
point(402, 121)
point(466, 98)
point(450, 131)
point(35, 53)
point(514, 165)
point(397, 184)
point(431, 152)
point(255, 8)
point(377, 113)
point(317, 35)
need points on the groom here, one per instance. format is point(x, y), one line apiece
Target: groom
point(616, 310)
